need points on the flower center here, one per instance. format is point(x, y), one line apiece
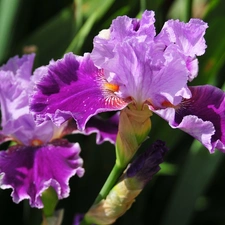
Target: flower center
point(112, 87)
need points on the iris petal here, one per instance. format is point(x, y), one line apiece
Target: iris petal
point(73, 87)
point(202, 116)
point(31, 170)
point(105, 129)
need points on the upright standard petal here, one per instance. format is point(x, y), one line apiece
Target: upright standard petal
point(202, 116)
point(122, 29)
point(20, 67)
point(188, 38)
point(143, 74)
point(31, 170)
point(16, 121)
point(73, 87)
point(13, 97)
point(146, 69)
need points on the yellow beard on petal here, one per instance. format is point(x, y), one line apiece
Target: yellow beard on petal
point(36, 142)
point(112, 87)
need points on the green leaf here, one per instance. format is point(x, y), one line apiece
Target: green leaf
point(52, 38)
point(213, 59)
point(8, 12)
point(194, 178)
point(82, 34)
point(167, 169)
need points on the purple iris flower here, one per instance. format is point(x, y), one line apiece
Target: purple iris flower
point(132, 65)
point(40, 157)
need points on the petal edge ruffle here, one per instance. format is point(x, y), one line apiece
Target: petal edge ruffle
point(31, 170)
point(201, 116)
point(73, 87)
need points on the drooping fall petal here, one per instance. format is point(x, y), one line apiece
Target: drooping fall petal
point(202, 116)
point(31, 170)
point(73, 87)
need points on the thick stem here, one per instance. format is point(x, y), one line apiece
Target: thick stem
point(110, 182)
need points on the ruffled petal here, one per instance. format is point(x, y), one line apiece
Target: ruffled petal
point(20, 67)
point(144, 73)
point(188, 36)
point(73, 87)
point(189, 40)
point(202, 116)
point(144, 67)
point(39, 73)
point(122, 29)
point(13, 97)
point(17, 122)
point(105, 129)
point(31, 170)
point(24, 130)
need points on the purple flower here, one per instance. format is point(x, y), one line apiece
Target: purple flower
point(131, 66)
point(39, 159)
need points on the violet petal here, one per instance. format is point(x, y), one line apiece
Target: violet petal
point(202, 116)
point(105, 129)
point(20, 67)
point(73, 87)
point(31, 170)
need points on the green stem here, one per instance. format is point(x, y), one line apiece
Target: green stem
point(110, 182)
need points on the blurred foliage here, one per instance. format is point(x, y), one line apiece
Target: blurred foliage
point(189, 189)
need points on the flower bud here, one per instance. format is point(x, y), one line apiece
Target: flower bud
point(131, 183)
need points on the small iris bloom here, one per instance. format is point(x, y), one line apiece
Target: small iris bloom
point(132, 66)
point(40, 157)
